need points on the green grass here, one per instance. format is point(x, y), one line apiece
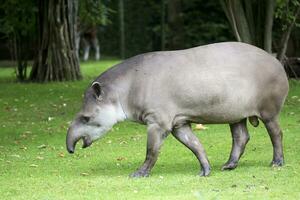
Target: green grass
point(34, 163)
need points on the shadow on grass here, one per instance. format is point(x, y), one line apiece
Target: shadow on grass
point(190, 168)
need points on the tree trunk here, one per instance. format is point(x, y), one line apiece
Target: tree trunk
point(175, 23)
point(251, 21)
point(20, 56)
point(163, 25)
point(241, 21)
point(286, 37)
point(270, 7)
point(227, 7)
point(122, 29)
point(56, 58)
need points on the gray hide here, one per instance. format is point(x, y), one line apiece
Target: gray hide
point(213, 84)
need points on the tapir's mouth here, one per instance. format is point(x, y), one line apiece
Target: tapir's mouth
point(72, 143)
point(86, 142)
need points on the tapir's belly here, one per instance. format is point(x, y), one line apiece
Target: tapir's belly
point(211, 99)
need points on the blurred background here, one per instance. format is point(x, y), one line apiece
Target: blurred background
point(124, 28)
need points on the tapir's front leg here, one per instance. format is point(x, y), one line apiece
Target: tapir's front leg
point(156, 136)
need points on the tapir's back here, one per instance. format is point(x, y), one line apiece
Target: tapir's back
point(218, 78)
point(215, 79)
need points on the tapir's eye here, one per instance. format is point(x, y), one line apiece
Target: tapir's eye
point(85, 119)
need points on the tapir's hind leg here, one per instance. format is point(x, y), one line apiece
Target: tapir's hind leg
point(185, 135)
point(240, 137)
point(155, 139)
point(275, 134)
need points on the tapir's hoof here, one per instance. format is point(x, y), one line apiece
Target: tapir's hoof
point(204, 172)
point(139, 174)
point(229, 166)
point(277, 163)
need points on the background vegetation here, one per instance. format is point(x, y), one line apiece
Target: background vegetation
point(130, 27)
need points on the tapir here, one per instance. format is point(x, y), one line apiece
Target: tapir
point(167, 91)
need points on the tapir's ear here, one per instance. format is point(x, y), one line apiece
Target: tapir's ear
point(97, 89)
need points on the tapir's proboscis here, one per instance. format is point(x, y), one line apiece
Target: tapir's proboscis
point(219, 83)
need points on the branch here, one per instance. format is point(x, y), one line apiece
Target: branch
point(286, 37)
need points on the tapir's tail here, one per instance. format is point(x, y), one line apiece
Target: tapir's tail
point(254, 121)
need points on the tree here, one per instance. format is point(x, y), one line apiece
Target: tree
point(94, 12)
point(251, 21)
point(287, 12)
point(163, 25)
point(18, 25)
point(56, 58)
point(175, 23)
point(122, 29)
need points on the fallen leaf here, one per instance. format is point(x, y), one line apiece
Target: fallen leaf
point(61, 154)
point(42, 146)
point(121, 158)
point(23, 147)
point(40, 158)
point(200, 127)
point(15, 155)
point(123, 142)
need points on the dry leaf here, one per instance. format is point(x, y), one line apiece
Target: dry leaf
point(108, 142)
point(200, 127)
point(121, 158)
point(15, 155)
point(40, 158)
point(42, 146)
point(61, 154)
point(123, 142)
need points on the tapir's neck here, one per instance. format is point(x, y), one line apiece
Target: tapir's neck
point(110, 115)
point(117, 81)
point(120, 113)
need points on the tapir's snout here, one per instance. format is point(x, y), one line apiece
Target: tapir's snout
point(73, 137)
point(71, 140)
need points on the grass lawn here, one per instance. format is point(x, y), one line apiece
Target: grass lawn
point(34, 163)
